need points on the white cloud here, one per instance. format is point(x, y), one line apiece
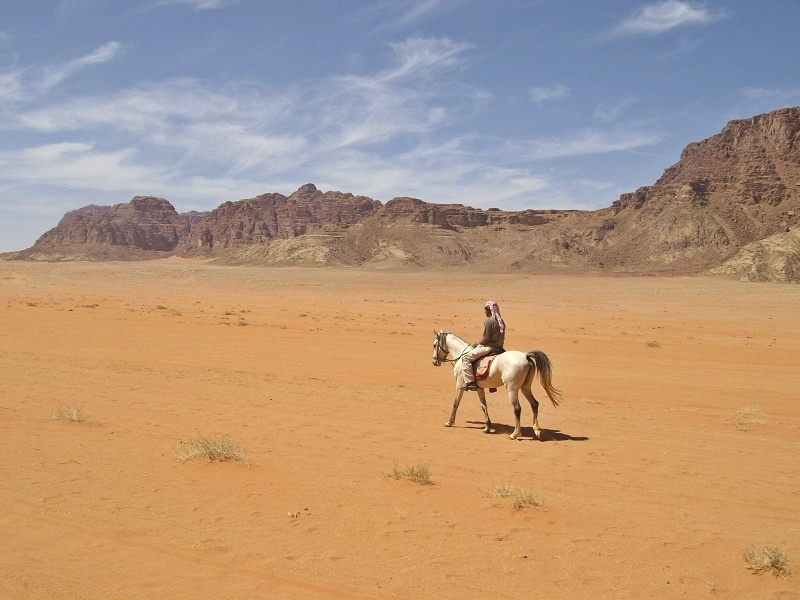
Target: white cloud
point(585, 142)
point(245, 127)
point(11, 86)
point(200, 144)
point(198, 4)
point(419, 56)
point(416, 9)
point(757, 100)
point(55, 75)
point(77, 165)
point(608, 113)
point(411, 98)
point(787, 96)
point(400, 14)
point(547, 93)
point(666, 15)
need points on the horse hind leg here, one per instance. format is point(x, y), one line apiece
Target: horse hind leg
point(537, 432)
point(513, 395)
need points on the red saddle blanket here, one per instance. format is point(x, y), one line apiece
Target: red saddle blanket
point(481, 366)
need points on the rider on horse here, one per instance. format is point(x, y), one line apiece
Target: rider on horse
point(494, 333)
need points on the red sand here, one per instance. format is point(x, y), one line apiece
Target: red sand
point(324, 377)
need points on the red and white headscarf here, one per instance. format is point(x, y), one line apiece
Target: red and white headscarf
point(492, 306)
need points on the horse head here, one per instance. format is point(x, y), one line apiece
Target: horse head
point(439, 348)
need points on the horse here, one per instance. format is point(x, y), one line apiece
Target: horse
point(513, 369)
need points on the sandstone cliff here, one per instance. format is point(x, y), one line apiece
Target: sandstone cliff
point(724, 208)
point(135, 230)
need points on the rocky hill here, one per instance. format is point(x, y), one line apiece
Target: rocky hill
point(730, 206)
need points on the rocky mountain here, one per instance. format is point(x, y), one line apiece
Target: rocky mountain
point(125, 231)
point(730, 206)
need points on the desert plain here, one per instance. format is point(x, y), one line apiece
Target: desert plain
point(674, 451)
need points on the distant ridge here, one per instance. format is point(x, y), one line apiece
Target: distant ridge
point(730, 206)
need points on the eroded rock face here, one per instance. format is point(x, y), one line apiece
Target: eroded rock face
point(726, 193)
point(144, 223)
point(269, 217)
point(747, 176)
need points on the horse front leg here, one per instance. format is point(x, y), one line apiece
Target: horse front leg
point(513, 395)
point(482, 397)
point(459, 393)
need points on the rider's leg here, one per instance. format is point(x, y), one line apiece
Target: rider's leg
point(466, 363)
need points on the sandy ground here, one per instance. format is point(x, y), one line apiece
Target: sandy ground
point(647, 487)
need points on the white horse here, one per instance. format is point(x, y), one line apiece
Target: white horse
point(513, 369)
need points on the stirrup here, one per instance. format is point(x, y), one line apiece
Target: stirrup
point(471, 387)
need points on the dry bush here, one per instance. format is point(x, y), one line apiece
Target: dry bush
point(211, 449)
point(519, 498)
point(71, 413)
point(770, 559)
point(746, 419)
point(420, 473)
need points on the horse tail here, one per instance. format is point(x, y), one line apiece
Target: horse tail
point(540, 362)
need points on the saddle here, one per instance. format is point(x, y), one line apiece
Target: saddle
point(481, 366)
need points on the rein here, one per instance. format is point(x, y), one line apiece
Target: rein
point(439, 338)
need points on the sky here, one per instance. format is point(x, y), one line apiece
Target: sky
point(512, 104)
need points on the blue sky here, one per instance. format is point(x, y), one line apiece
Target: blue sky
point(510, 103)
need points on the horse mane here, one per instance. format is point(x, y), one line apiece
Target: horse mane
point(458, 338)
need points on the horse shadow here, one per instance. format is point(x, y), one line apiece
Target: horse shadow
point(548, 435)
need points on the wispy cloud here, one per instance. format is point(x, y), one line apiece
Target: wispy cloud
point(547, 93)
point(400, 14)
point(406, 99)
point(55, 75)
point(608, 113)
point(11, 87)
point(75, 165)
point(379, 134)
point(418, 56)
point(755, 100)
point(664, 16)
point(413, 10)
point(591, 141)
point(198, 4)
point(790, 95)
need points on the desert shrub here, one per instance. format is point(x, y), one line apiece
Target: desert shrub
point(770, 559)
point(420, 474)
point(519, 498)
point(211, 449)
point(746, 419)
point(71, 413)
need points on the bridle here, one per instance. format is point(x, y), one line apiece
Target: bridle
point(437, 346)
point(437, 349)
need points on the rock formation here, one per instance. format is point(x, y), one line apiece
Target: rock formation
point(730, 206)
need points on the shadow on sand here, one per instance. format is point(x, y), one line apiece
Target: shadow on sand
point(548, 435)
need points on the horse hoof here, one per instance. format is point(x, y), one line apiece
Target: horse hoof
point(448, 424)
point(487, 430)
point(511, 436)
